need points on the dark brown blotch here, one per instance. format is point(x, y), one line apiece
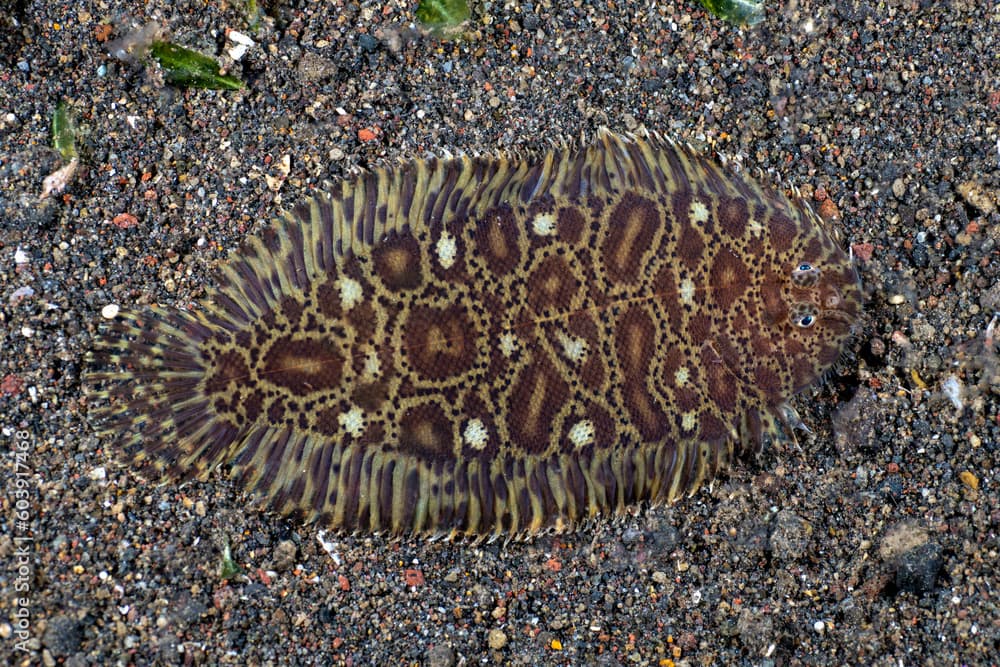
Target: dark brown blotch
point(775, 310)
point(711, 429)
point(646, 413)
point(397, 262)
point(537, 396)
point(474, 407)
point(768, 382)
point(699, 328)
point(229, 367)
point(364, 319)
point(604, 426)
point(276, 412)
point(551, 285)
point(327, 421)
point(370, 396)
point(252, 405)
point(720, 383)
point(675, 358)
point(667, 294)
point(729, 278)
point(632, 227)
point(783, 231)
point(635, 341)
point(439, 343)
point(291, 308)
point(302, 365)
point(328, 300)
point(686, 401)
point(804, 371)
point(733, 216)
point(425, 432)
point(593, 371)
point(690, 246)
point(570, 225)
point(496, 240)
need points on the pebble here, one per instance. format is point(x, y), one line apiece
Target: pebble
point(917, 569)
point(440, 656)
point(23, 292)
point(497, 639)
point(284, 556)
point(898, 188)
point(952, 388)
point(913, 557)
point(368, 43)
point(240, 38)
point(62, 635)
point(790, 535)
point(237, 51)
point(110, 311)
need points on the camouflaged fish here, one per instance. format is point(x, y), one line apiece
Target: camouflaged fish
point(489, 346)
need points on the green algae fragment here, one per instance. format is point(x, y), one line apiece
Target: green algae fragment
point(442, 14)
point(64, 132)
point(740, 12)
point(252, 11)
point(190, 69)
point(228, 569)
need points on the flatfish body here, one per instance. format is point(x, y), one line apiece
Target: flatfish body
point(490, 346)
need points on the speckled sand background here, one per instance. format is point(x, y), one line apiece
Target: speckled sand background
point(872, 541)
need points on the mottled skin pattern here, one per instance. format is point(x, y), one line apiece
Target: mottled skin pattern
point(491, 347)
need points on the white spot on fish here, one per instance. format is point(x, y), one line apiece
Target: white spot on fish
point(447, 250)
point(581, 433)
point(353, 422)
point(544, 224)
point(689, 420)
point(699, 212)
point(575, 349)
point(687, 291)
point(475, 434)
point(351, 293)
point(373, 367)
point(508, 344)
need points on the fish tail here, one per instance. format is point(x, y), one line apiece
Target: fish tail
point(145, 383)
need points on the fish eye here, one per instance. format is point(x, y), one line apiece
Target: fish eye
point(802, 315)
point(805, 275)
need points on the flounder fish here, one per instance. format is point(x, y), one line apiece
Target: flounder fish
point(490, 346)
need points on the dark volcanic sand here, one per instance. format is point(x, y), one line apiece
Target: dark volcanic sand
point(871, 541)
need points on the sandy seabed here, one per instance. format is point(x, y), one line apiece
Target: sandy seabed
point(872, 540)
